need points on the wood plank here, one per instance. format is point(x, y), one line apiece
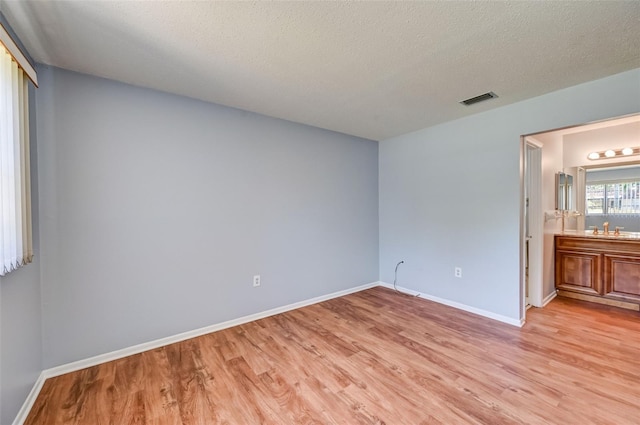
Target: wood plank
point(374, 357)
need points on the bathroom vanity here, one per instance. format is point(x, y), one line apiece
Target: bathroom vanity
point(600, 268)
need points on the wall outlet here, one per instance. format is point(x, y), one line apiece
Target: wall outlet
point(256, 280)
point(457, 272)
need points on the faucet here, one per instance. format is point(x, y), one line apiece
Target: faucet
point(595, 229)
point(617, 231)
point(606, 228)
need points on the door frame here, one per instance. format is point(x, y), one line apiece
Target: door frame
point(532, 223)
point(531, 187)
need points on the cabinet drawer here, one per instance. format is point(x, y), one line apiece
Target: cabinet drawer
point(586, 244)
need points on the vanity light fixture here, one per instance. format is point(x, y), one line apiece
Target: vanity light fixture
point(614, 153)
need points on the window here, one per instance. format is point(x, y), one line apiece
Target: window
point(613, 197)
point(15, 193)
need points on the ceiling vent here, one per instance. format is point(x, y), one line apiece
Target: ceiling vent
point(481, 98)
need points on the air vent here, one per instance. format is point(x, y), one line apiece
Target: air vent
point(480, 98)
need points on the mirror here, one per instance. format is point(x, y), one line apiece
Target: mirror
point(612, 195)
point(564, 192)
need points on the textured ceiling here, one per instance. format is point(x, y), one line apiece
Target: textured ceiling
point(370, 69)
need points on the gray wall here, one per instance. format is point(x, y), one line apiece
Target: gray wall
point(450, 194)
point(20, 338)
point(20, 315)
point(157, 210)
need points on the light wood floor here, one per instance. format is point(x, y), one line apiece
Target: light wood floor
point(374, 357)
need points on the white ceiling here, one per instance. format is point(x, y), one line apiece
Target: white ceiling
point(370, 69)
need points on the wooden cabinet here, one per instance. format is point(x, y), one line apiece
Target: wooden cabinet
point(602, 267)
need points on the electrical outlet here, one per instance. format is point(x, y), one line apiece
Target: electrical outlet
point(457, 272)
point(256, 280)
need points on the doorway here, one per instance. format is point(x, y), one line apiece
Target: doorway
point(544, 154)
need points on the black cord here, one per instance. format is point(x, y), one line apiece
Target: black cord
point(395, 278)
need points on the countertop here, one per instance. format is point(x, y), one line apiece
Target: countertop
point(625, 236)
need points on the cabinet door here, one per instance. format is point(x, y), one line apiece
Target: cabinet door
point(622, 276)
point(579, 272)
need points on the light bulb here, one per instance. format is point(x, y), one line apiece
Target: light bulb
point(627, 151)
point(610, 153)
point(593, 155)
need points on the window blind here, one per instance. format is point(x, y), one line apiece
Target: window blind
point(613, 197)
point(15, 186)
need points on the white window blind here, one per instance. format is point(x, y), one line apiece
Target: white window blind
point(15, 186)
point(613, 197)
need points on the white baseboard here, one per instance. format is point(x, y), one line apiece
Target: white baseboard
point(549, 297)
point(151, 345)
point(31, 398)
point(459, 306)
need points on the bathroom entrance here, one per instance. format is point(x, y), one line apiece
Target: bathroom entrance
point(569, 152)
